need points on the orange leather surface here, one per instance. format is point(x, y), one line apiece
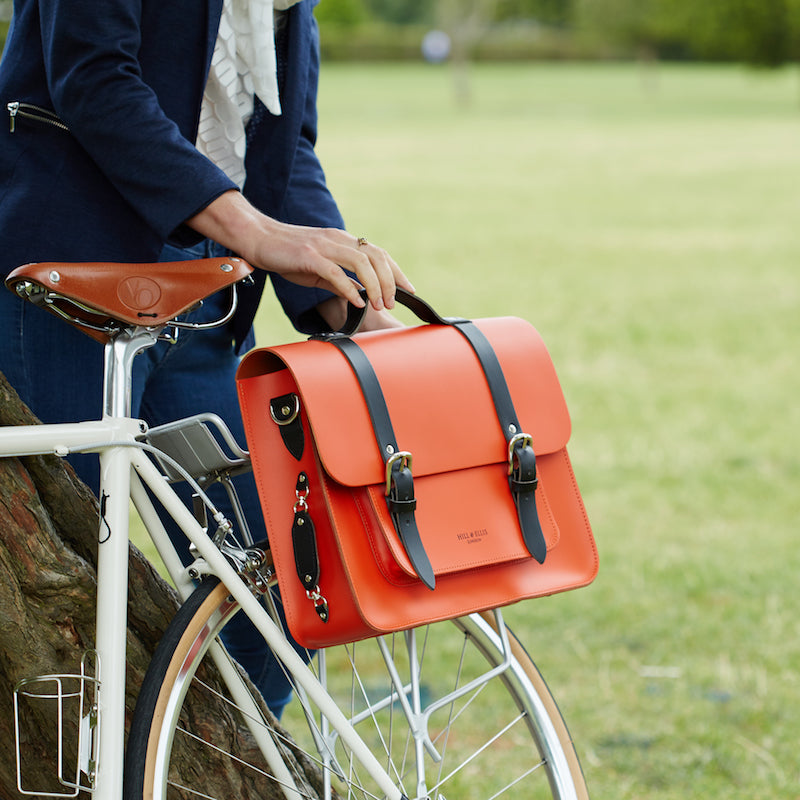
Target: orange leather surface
point(441, 411)
point(438, 399)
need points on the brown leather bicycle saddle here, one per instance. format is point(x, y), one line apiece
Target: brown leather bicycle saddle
point(98, 296)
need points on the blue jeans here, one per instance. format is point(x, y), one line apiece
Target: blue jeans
point(58, 372)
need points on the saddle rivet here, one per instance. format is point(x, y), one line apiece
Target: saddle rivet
point(512, 428)
point(389, 449)
point(54, 276)
point(226, 267)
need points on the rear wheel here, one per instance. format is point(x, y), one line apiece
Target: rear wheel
point(453, 711)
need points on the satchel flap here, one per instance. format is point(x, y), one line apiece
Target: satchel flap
point(436, 392)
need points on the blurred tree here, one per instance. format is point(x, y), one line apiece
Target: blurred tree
point(754, 31)
point(5, 19)
point(760, 32)
point(402, 12)
point(793, 16)
point(546, 12)
point(464, 21)
point(342, 12)
point(644, 26)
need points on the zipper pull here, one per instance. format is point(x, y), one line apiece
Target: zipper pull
point(13, 109)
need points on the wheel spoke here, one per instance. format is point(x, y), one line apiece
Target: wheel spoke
point(455, 708)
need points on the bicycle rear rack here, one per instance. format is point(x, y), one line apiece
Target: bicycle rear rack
point(203, 447)
point(75, 700)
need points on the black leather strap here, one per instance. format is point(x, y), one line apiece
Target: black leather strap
point(522, 459)
point(503, 404)
point(400, 482)
point(304, 543)
point(304, 539)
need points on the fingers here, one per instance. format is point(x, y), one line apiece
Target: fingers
point(327, 258)
point(375, 270)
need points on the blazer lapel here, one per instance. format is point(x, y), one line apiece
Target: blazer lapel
point(214, 15)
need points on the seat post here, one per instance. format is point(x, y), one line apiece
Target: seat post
point(120, 351)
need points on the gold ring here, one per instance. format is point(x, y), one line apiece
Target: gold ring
point(362, 241)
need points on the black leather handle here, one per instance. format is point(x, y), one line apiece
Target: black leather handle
point(423, 311)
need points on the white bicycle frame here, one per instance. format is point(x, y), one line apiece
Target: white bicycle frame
point(125, 470)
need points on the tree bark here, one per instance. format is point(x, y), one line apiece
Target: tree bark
point(48, 543)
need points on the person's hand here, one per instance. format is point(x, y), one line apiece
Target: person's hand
point(307, 256)
point(334, 312)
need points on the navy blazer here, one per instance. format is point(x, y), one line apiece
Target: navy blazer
point(126, 77)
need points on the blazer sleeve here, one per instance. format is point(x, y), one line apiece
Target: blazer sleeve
point(307, 201)
point(92, 53)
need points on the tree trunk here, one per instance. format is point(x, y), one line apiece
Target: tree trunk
point(465, 23)
point(48, 535)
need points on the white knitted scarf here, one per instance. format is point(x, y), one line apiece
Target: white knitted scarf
point(243, 65)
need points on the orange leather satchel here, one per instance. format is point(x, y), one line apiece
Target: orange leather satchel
point(412, 475)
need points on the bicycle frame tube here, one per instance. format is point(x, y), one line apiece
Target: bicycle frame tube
point(112, 568)
point(114, 440)
point(267, 627)
point(112, 618)
point(63, 439)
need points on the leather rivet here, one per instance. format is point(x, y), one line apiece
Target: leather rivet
point(286, 411)
point(54, 276)
point(226, 267)
point(389, 449)
point(301, 521)
point(512, 428)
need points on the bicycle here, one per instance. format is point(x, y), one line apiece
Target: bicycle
point(453, 710)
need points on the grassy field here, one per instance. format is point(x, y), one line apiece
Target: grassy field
point(646, 223)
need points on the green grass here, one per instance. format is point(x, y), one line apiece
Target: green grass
point(646, 223)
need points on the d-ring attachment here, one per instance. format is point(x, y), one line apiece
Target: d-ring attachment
point(281, 412)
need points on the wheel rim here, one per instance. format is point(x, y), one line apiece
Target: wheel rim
point(460, 738)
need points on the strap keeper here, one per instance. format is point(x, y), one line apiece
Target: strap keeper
point(521, 487)
point(401, 506)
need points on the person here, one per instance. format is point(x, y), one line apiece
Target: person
point(142, 131)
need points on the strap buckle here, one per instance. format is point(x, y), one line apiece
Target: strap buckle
point(521, 440)
point(405, 458)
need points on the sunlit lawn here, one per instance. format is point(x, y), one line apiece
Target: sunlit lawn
point(647, 224)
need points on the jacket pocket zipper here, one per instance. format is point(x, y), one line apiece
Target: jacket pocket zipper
point(36, 113)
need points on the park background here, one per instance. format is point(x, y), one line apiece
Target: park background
point(625, 175)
